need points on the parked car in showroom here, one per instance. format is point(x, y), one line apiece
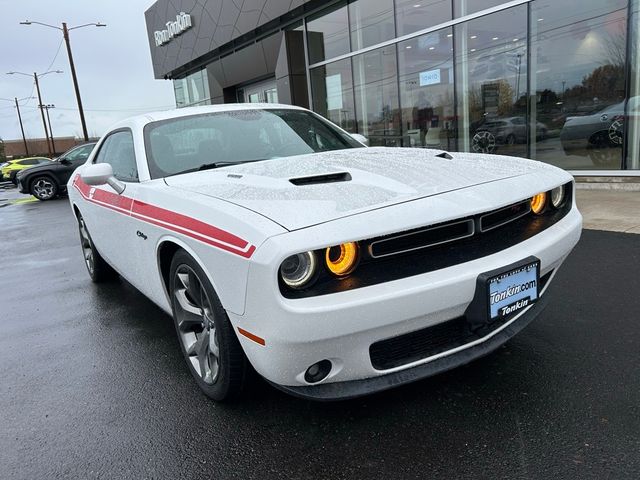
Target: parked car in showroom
point(46, 181)
point(11, 168)
point(279, 242)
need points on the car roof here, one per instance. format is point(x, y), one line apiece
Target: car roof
point(199, 110)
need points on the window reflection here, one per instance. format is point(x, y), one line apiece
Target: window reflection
point(376, 96)
point(492, 83)
point(414, 15)
point(328, 34)
point(579, 56)
point(426, 90)
point(332, 88)
point(371, 22)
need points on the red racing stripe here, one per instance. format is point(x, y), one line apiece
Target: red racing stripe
point(166, 219)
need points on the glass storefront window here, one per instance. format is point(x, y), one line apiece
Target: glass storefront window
point(579, 58)
point(328, 34)
point(633, 105)
point(192, 90)
point(467, 7)
point(371, 22)
point(491, 83)
point(425, 65)
point(332, 92)
point(414, 15)
point(376, 96)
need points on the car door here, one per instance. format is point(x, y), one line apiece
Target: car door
point(108, 213)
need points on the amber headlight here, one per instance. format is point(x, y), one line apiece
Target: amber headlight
point(298, 270)
point(557, 196)
point(538, 203)
point(342, 259)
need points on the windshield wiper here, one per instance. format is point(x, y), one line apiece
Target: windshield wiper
point(210, 166)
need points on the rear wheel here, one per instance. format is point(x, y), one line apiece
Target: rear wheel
point(44, 188)
point(207, 340)
point(99, 270)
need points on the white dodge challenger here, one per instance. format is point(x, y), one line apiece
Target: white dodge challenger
point(278, 241)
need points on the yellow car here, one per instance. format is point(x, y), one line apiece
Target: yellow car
point(12, 167)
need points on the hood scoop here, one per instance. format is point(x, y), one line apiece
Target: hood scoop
point(324, 178)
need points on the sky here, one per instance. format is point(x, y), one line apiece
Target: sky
point(113, 65)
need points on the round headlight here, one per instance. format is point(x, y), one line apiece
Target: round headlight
point(557, 196)
point(297, 270)
point(342, 259)
point(538, 203)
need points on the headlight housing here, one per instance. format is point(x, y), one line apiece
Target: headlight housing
point(558, 196)
point(342, 259)
point(298, 270)
point(538, 202)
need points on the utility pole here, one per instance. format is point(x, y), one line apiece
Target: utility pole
point(53, 145)
point(24, 139)
point(65, 34)
point(44, 123)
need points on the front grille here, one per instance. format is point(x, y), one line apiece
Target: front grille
point(422, 238)
point(501, 217)
point(413, 346)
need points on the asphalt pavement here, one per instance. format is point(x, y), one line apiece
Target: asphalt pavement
point(92, 385)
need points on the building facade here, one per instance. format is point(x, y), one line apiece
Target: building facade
point(552, 80)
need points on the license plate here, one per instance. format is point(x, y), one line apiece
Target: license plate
point(513, 290)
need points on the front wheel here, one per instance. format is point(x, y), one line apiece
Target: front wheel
point(44, 188)
point(207, 340)
point(99, 270)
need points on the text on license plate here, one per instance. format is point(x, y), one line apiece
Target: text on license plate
point(514, 290)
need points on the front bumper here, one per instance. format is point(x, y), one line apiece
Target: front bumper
point(341, 327)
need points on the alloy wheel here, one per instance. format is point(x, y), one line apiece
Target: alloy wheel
point(196, 324)
point(85, 242)
point(43, 188)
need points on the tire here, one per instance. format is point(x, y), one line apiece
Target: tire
point(43, 187)
point(13, 179)
point(217, 363)
point(99, 270)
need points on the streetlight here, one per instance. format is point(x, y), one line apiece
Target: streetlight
point(16, 100)
point(35, 77)
point(65, 33)
point(47, 107)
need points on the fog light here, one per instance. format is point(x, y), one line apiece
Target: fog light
point(317, 371)
point(557, 196)
point(538, 203)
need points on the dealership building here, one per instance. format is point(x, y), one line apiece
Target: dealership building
point(552, 80)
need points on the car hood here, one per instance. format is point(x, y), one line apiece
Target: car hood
point(351, 181)
point(37, 168)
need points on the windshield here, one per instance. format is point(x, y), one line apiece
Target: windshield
point(211, 140)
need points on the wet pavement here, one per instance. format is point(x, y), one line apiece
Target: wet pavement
point(92, 385)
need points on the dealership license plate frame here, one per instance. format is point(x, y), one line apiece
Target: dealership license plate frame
point(478, 313)
point(509, 276)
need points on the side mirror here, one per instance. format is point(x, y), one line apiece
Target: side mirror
point(64, 161)
point(360, 138)
point(100, 174)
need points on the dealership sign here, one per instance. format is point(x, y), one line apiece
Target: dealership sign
point(174, 28)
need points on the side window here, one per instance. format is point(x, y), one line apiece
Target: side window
point(29, 161)
point(80, 154)
point(117, 150)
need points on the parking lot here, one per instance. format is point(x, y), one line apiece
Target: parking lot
point(94, 385)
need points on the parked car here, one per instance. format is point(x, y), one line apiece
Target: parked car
point(49, 180)
point(278, 241)
point(12, 167)
point(598, 131)
point(493, 132)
